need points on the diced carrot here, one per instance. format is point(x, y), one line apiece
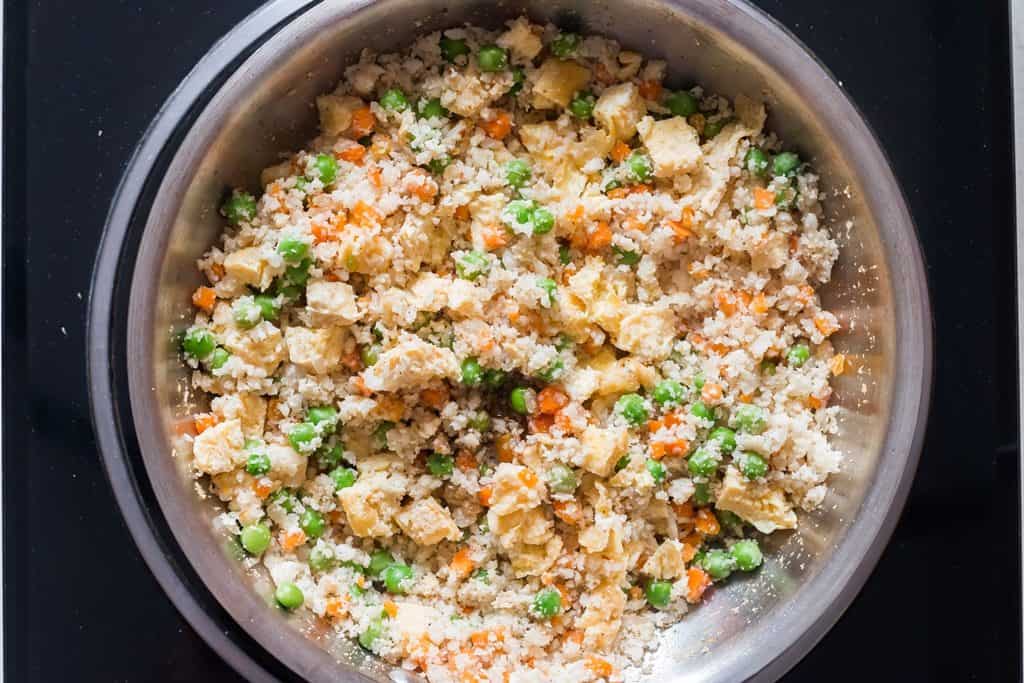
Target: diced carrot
point(436, 398)
point(334, 607)
point(262, 487)
point(636, 592)
point(746, 398)
point(689, 552)
point(575, 636)
point(484, 496)
point(362, 122)
point(541, 423)
point(564, 422)
point(684, 511)
point(391, 609)
point(204, 421)
point(759, 304)
point(499, 127)
point(462, 212)
point(576, 214)
point(503, 444)
point(633, 222)
point(825, 324)
point(658, 450)
point(794, 244)
point(494, 237)
point(551, 399)
point(697, 581)
point(468, 677)
point(360, 386)
point(806, 294)
point(650, 90)
point(817, 403)
point(837, 364)
point(707, 523)
point(763, 198)
point(567, 510)
point(711, 392)
point(620, 192)
point(293, 539)
point(601, 668)
point(679, 229)
point(425, 190)
point(365, 215)
point(321, 233)
point(726, 302)
point(672, 447)
point(465, 461)
point(462, 564)
point(204, 298)
point(353, 154)
point(217, 271)
point(620, 151)
point(527, 477)
point(374, 175)
point(600, 237)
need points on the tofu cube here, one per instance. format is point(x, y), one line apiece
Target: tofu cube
point(249, 408)
point(412, 363)
point(762, 505)
point(619, 109)
point(557, 81)
point(219, 448)
point(521, 40)
point(427, 523)
point(371, 504)
point(602, 448)
point(336, 112)
point(287, 465)
point(248, 267)
point(315, 350)
point(666, 562)
point(647, 331)
point(673, 145)
point(335, 300)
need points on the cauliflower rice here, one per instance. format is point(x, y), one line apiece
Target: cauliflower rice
point(518, 358)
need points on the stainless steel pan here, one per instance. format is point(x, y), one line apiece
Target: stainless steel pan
point(250, 98)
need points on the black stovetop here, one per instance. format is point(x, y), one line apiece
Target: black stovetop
point(83, 79)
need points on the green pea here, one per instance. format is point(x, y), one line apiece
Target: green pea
point(702, 411)
point(681, 103)
point(326, 168)
point(659, 593)
point(492, 58)
point(785, 198)
point(552, 372)
point(370, 354)
point(451, 48)
point(482, 575)
point(292, 250)
point(301, 434)
point(518, 213)
point(713, 128)
point(668, 392)
point(749, 418)
point(564, 44)
point(219, 357)
point(746, 554)
point(379, 561)
point(472, 372)
point(471, 265)
point(289, 596)
point(518, 78)
point(327, 415)
point(752, 465)
point(703, 463)
point(301, 183)
point(698, 381)
point(768, 368)
point(329, 456)
point(564, 254)
point(298, 274)
point(562, 479)
point(285, 289)
point(380, 434)
point(785, 163)
point(343, 477)
point(725, 437)
point(632, 408)
point(582, 105)
point(432, 109)
point(257, 464)
point(255, 538)
point(798, 355)
point(730, 519)
point(622, 463)
point(440, 465)
point(394, 100)
point(284, 498)
point(321, 559)
point(355, 591)
point(198, 343)
point(626, 258)
point(518, 173)
point(437, 166)
point(521, 400)
point(549, 287)
point(494, 378)
point(543, 221)
point(640, 167)
point(480, 421)
point(701, 493)
point(397, 578)
point(240, 206)
point(656, 470)
point(612, 184)
point(564, 342)
point(269, 307)
point(312, 522)
point(547, 603)
point(756, 162)
point(718, 564)
point(372, 633)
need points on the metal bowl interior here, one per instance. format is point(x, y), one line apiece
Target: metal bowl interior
point(755, 627)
